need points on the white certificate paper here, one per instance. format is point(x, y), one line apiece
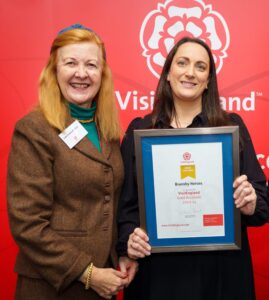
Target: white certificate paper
point(188, 184)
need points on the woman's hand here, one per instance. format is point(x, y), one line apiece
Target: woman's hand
point(138, 246)
point(106, 281)
point(244, 195)
point(128, 266)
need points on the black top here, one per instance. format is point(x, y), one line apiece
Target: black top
point(216, 275)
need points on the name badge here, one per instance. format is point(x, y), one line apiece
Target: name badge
point(73, 134)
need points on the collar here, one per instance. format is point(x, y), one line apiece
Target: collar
point(198, 121)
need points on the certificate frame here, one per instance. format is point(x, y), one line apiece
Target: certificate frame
point(227, 139)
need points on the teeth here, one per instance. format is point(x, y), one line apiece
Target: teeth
point(80, 85)
point(190, 84)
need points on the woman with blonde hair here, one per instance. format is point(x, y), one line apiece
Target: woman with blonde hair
point(64, 177)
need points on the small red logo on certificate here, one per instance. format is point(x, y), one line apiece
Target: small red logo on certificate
point(213, 220)
point(187, 156)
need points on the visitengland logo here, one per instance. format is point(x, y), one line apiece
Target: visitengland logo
point(163, 26)
point(174, 19)
point(187, 166)
point(186, 156)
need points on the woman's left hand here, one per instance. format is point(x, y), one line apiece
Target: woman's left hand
point(129, 267)
point(245, 197)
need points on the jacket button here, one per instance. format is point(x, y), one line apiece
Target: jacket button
point(107, 198)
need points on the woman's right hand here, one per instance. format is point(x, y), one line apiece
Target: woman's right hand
point(107, 281)
point(138, 246)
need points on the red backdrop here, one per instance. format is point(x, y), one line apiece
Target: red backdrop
point(237, 32)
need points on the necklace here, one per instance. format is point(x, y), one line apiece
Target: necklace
point(86, 121)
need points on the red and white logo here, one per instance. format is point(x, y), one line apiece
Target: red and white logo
point(174, 19)
point(187, 156)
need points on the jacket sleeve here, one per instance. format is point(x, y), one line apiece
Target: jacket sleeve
point(30, 206)
point(250, 166)
point(128, 210)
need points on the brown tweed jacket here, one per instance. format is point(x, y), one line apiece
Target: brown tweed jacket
point(61, 202)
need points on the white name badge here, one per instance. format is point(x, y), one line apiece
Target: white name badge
point(73, 134)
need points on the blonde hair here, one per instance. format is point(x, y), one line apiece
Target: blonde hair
point(51, 101)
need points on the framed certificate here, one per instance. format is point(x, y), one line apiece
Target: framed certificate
point(185, 188)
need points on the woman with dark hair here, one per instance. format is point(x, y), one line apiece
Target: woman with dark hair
point(64, 177)
point(187, 97)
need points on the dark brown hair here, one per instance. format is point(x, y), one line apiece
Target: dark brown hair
point(164, 105)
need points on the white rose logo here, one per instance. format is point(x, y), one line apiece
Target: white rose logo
point(174, 19)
